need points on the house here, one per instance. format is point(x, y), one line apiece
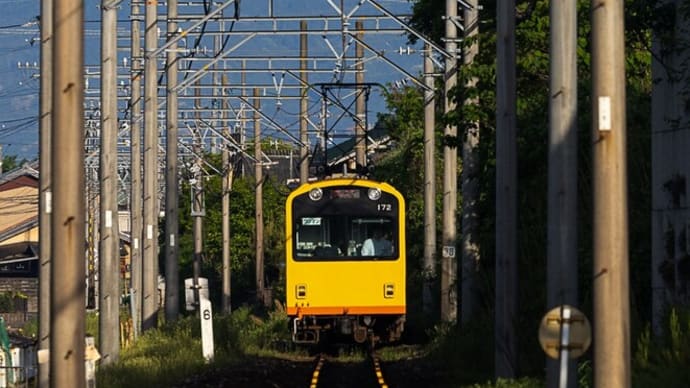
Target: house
point(19, 243)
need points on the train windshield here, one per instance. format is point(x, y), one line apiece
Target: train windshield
point(345, 226)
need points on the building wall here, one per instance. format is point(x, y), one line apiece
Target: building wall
point(26, 236)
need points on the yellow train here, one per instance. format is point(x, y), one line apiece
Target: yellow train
point(345, 261)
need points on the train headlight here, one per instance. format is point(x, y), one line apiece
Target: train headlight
point(374, 194)
point(315, 194)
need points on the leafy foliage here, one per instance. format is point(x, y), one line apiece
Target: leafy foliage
point(9, 301)
point(510, 383)
point(664, 362)
point(245, 332)
point(10, 162)
point(242, 235)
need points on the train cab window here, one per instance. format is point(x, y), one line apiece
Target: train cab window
point(347, 222)
point(344, 238)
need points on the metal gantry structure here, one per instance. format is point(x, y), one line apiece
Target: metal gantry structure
point(256, 49)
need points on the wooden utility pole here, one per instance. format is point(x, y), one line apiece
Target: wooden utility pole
point(228, 172)
point(259, 210)
point(45, 193)
point(449, 264)
point(150, 257)
point(360, 104)
point(611, 303)
point(561, 251)
point(470, 178)
point(172, 215)
point(505, 347)
point(135, 205)
point(429, 183)
point(109, 236)
point(68, 286)
point(303, 104)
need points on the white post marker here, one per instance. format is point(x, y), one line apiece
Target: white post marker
point(604, 113)
point(206, 315)
point(565, 344)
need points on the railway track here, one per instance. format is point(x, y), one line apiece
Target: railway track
point(333, 373)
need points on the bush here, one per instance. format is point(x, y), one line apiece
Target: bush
point(12, 301)
point(245, 332)
point(470, 346)
point(664, 361)
point(511, 383)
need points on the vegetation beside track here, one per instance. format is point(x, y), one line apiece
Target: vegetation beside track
point(450, 357)
point(172, 353)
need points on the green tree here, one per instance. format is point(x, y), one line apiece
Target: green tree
point(532, 29)
point(242, 235)
point(10, 162)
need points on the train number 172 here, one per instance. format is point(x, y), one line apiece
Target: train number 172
point(384, 207)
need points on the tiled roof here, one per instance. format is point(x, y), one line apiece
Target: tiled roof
point(30, 169)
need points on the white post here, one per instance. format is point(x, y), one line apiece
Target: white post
point(206, 316)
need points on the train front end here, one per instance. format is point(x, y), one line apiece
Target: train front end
point(345, 261)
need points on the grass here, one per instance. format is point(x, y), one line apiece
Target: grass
point(167, 355)
point(160, 357)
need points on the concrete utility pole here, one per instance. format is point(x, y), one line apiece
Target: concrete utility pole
point(470, 178)
point(197, 203)
point(135, 207)
point(303, 104)
point(561, 252)
point(228, 172)
point(172, 215)
point(109, 247)
point(259, 212)
point(429, 183)
point(611, 300)
point(68, 287)
point(670, 169)
point(505, 348)
point(360, 104)
point(45, 193)
point(92, 202)
point(449, 264)
point(150, 257)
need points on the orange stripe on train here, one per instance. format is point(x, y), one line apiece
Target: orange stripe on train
point(352, 310)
